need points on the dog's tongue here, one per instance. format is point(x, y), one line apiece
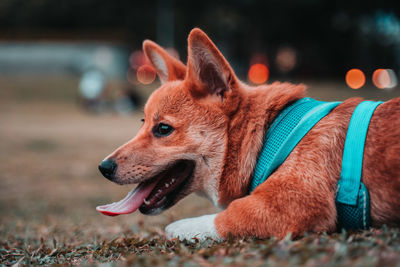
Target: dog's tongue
point(131, 202)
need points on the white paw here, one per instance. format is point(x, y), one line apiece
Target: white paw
point(191, 229)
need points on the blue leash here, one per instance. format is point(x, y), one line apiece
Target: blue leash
point(292, 124)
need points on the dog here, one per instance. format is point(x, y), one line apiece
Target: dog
point(203, 132)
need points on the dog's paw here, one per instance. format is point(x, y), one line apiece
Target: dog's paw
point(199, 228)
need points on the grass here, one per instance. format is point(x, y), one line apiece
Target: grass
point(50, 186)
point(377, 247)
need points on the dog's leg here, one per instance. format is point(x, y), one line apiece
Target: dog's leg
point(200, 228)
point(279, 207)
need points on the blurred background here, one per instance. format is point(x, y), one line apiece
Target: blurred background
point(73, 80)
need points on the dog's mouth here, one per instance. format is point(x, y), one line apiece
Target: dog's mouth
point(156, 194)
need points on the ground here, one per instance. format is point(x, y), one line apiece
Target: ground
point(50, 186)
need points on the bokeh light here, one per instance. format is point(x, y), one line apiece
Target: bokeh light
point(381, 78)
point(146, 74)
point(258, 73)
point(286, 59)
point(384, 78)
point(355, 78)
point(92, 84)
point(393, 78)
point(137, 59)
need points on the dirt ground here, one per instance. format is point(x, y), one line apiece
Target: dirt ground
point(49, 181)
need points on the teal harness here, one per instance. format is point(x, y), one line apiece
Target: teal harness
point(292, 124)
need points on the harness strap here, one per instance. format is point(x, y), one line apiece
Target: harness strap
point(353, 153)
point(352, 198)
point(285, 132)
point(292, 124)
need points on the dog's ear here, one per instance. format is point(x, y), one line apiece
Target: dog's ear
point(168, 68)
point(208, 67)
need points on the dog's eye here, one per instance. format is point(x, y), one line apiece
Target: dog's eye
point(162, 129)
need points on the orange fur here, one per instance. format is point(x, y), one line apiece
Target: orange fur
point(300, 195)
point(220, 124)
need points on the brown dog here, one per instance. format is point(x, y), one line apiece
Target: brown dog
point(203, 132)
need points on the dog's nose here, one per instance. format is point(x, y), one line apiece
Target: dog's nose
point(107, 168)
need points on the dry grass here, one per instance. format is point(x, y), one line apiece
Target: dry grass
point(50, 186)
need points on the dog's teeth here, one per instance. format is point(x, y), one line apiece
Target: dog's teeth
point(166, 185)
point(172, 180)
point(161, 200)
point(159, 191)
point(146, 202)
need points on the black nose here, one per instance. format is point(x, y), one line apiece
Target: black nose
point(107, 168)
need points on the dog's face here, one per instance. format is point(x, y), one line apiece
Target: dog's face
point(181, 145)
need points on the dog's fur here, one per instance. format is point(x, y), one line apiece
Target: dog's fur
point(220, 124)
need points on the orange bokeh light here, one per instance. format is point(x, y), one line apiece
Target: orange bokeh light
point(146, 74)
point(137, 59)
point(355, 78)
point(258, 73)
point(381, 78)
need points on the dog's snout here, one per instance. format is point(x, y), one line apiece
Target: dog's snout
point(107, 168)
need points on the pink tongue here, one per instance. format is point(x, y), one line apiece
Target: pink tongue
point(131, 202)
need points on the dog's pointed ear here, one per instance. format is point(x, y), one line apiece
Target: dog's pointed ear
point(168, 68)
point(208, 67)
